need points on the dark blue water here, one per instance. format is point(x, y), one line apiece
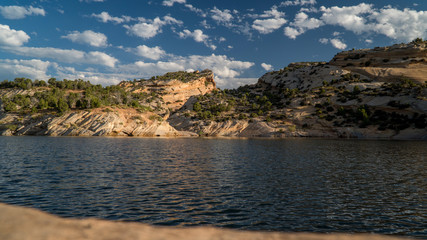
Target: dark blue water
point(282, 185)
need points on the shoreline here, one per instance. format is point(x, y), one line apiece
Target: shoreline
point(24, 223)
point(231, 138)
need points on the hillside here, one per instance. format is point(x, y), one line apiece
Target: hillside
point(368, 93)
point(78, 108)
point(387, 99)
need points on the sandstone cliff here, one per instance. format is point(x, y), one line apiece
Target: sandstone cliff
point(138, 108)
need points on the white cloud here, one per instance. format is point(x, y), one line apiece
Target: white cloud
point(292, 32)
point(298, 3)
point(12, 37)
point(266, 66)
point(324, 40)
point(301, 24)
point(225, 69)
point(266, 26)
point(236, 82)
point(369, 41)
point(196, 10)
point(149, 28)
point(65, 55)
point(403, 25)
point(106, 17)
point(351, 18)
point(397, 24)
point(275, 21)
point(154, 53)
point(19, 12)
point(273, 13)
point(33, 69)
point(335, 34)
point(92, 38)
point(198, 36)
point(336, 43)
point(170, 3)
point(223, 17)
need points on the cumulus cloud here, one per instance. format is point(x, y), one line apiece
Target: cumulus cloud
point(352, 18)
point(221, 16)
point(105, 17)
point(266, 66)
point(12, 37)
point(336, 43)
point(198, 36)
point(298, 3)
point(403, 25)
point(324, 40)
point(154, 53)
point(199, 11)
point(19, 12)
point(65, 55)
point(273, 22)
point(266, 26)
point(272, 13)
point(89, 37)
point(394, 23)
point(170, 3)
point(301, 24)
point(149, 28)
point(225, 69)
point(33, 69)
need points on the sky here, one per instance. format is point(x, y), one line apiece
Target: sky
point(107, 41)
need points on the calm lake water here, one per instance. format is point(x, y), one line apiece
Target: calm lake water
point(282, 185)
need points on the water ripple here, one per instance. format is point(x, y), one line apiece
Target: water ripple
point(282, 185)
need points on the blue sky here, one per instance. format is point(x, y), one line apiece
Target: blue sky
point(106, 41)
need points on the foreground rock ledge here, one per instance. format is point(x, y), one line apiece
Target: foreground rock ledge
point(19, 223)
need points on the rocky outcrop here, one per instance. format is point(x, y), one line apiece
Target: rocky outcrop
point(29, 224)
point(387, 63)
point(96, 122)
point(170, 92)
point(302, 76)
point(175, 88)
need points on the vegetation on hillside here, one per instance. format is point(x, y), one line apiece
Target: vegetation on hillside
point(328, 102)
point(34, 96)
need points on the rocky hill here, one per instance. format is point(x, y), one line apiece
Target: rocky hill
point(369, 93)
point(78, 108)
point(378, 93)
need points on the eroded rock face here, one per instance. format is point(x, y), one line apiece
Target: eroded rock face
point(98, 122)
point(176, 92)
point(29, 224)
point(386, 63)
point(302, 76)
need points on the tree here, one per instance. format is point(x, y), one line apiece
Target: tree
point(62, 105)
point(43, 104)
point(197, 107)
point(52, 82)
point(9, 106)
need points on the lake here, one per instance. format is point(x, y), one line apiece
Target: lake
point(290, 185)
